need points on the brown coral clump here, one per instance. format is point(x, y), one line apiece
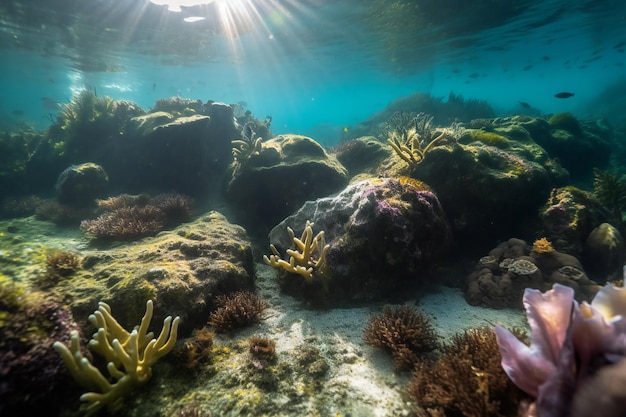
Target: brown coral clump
point(542, 245)
point(197, 350)
point(122, 200)
point(125, 223)
point(262, 348)
point(236, 310)
point(467, 380)
point(403, 331)
point(177, 208)
point(62, 263)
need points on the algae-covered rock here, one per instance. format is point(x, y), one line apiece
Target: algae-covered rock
point(362, 155)
point(182, 270)
point(289, 170)
point(383, 236)
point(489, 182)
point(569, 215)
point(80, 185)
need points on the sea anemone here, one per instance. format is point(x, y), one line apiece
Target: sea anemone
point(125, 223)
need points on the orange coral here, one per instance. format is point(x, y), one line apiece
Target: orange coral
point(542, 245)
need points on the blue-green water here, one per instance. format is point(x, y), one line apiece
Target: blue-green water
point(315, 66)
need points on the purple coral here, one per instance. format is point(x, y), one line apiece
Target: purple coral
point(570, 343)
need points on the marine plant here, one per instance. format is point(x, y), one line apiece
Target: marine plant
point(488, 138)
point(467, 380)
point(262, 348)
point(236, 310)
point(126, 223)
point(129, 357)
point(197, 350)
point(62, 263)
point(308, 257)
point(413, 140)
point(573, 348)
point(248, 146)
point(610, 189)
point(129, 217)
point(404, 332)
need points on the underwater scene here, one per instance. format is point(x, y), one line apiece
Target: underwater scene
point(355, 208)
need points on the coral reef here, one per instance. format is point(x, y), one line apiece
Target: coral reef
point(384, 235)
point(236, 310)
point(573, 348)
point(403, 331)
point(500, 278)
point(129, 356)
point(308, 256)
point(467, 380)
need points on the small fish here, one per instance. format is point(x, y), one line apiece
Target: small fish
point(153, 87)
point(49, 104)
point(527, 67)
point(524, 104)
point(17, 112)
point(564, 94)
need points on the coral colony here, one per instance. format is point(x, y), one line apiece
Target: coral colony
point(571, 344)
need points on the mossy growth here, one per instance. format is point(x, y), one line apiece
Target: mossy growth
point(488, 138)
point(565, 121)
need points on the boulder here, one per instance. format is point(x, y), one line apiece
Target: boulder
point(383, 237)
point(79, 185)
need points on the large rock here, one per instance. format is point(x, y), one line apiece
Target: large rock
point(182, 270)
point(79, 185)
point(188, 154)
point(384, 234)
point(569, 215)
point(491, 183)
point(289, 170)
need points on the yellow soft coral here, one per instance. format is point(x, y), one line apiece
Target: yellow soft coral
point(129, 357)
point(309, 255)
point(542, 245)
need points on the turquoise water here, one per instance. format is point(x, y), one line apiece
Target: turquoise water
point(315, 66)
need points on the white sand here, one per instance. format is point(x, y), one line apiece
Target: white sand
point(370, 387)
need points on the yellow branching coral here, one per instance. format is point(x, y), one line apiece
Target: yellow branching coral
point(308, 257)
point(129, 357)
